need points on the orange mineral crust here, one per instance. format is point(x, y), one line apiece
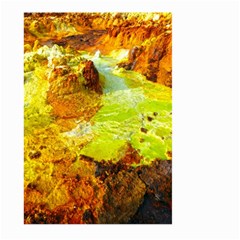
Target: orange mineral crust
point(147, 35)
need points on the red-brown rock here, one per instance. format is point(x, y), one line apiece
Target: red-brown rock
point(91, 76)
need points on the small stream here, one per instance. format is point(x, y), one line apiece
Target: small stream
point(105, 66)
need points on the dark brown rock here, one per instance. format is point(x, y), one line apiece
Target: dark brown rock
point(152, 211)
point(91, 76)
point(34, 155)
point(134, 53)
point(144, 130)
point(126, 65)
point(158, 179)
point(123, 196)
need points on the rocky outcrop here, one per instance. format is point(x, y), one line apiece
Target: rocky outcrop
point(164, 74)
point(150, 45)
point(74, 200)
point(158, 178)
point(155, 62)
point(152, 211)
point(72, 87)
point(91, 76)
point(152, 58)
point(123, 196)
point(117, 193)
point(157, 202)
point(148, 36)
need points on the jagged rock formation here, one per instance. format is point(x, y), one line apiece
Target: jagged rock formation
point(91, 76)
point(148, 36)
point(71, 82)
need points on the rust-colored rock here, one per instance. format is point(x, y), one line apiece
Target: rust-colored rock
point(131, 156)
point(153, 60)
point(91, 76)
point(74, 201)
point(66, 91)
point(164, 74)
point(149, 38)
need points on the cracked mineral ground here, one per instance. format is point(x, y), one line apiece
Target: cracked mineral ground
point(97, 118)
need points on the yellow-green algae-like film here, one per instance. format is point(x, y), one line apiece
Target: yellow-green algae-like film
point(84, 107)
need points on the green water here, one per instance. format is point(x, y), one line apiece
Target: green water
point(134, 111)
